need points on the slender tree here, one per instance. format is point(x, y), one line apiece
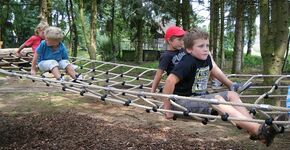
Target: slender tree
point(238, 46)
point(72, 27)
point(177, 12)
point(139, 34)
point(112, 29)
point(214, 26)
point(186, 14)
point(45, 11)
point(89, 35)
point(251, 27)
point(221, 52)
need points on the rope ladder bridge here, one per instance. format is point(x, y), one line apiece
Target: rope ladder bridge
point(130, 86)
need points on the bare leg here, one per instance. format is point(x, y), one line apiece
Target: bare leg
point(251, 127)
point(70, 71)
point(56, 73)
point(234, 97)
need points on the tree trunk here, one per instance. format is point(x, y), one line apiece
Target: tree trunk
point(93, 26)
point(221, 58)
point(185, 13)
point(73, 28)
point(280, 24)
point(139, 34)
point(215, 26)
point(112, 30)
point(273, 37)
point(177, 13)
point(89, 37)
point(211, 29)
point(48, 12)
point(265, 46)
point(67, 4)
point(43, 10)
point(238, 45)
point(252, 14)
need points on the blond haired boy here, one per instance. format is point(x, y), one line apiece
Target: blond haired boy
point(52, 54)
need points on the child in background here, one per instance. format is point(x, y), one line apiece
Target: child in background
point(171, 56)
point(34, 40)
point(51, 55)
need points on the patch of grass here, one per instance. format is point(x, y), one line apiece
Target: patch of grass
point(150, 64)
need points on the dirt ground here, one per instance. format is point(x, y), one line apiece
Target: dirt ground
point(34, 116)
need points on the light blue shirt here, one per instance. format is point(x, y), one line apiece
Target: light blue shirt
point(47, 53)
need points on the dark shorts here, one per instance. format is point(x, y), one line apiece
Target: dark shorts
point(199, 107)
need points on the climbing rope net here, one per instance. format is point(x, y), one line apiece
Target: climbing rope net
point(130, 86)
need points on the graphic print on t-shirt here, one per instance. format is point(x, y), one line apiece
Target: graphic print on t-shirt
point(176, 59)
point(201, 79)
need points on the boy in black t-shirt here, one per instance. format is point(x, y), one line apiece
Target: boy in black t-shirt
point(174, 53)
point(192, 74)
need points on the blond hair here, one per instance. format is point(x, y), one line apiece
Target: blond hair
point(192, 35)
point(41, 26)
point(53, 33)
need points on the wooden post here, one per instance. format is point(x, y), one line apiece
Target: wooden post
point(1, 43)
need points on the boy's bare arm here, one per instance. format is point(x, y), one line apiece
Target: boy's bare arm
point(156, 80)
point(169, 86)
point(217, 73)
point(33, 64)
point(20, 49)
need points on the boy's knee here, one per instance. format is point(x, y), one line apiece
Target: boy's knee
point(232, 94)
point(69, 67)
point(219, 98)
point(54, 68)
point(53, 64)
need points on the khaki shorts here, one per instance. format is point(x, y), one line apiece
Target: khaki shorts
point(199, 107)
point(47, 65)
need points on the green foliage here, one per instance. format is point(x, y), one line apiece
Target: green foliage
point(252, 61)
point(104, 48)
point(228, 54)
point(287, 66)
point(18, 20)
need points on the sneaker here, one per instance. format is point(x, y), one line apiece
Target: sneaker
point(239, 87)
point(216, 84)
point(266, 134)
point(66, 78)
point(283, 117)
point(79, 77)
point(75, 67)
point(61, 79)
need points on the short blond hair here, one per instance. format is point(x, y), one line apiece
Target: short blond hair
point(41, 26)
point(192, 35)
point(53, 33)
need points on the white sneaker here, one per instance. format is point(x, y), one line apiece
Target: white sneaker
point(80, 77)
point(75, 67)
point(66, 78)
point(60, 79)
